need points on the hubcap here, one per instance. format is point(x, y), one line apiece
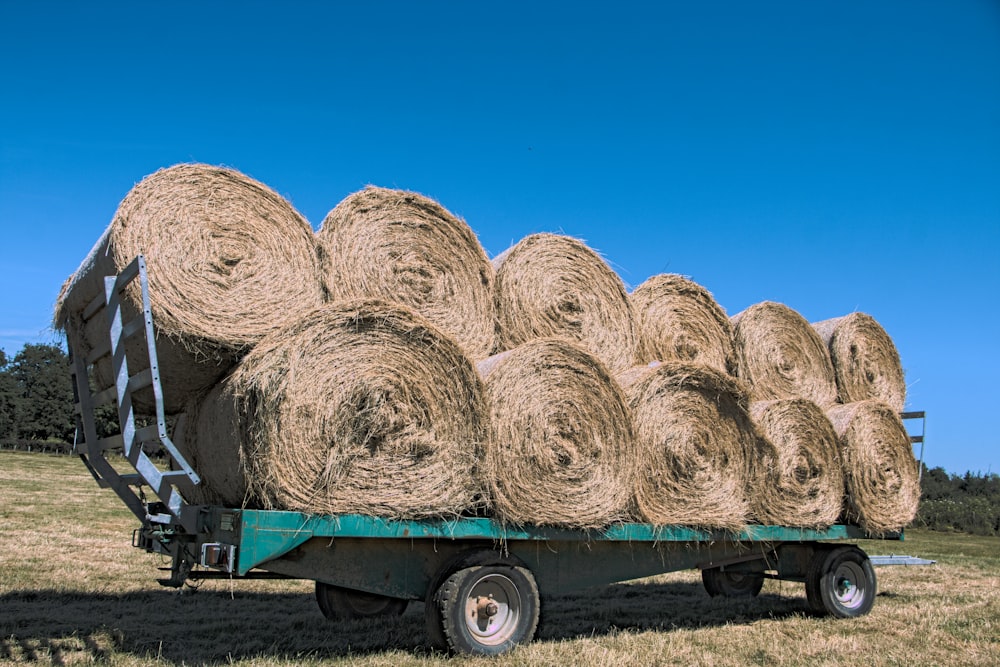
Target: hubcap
point(367, 604)
point(492, 609)
point(736, 580)
point(845, 585)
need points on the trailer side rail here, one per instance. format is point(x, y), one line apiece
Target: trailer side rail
point(248, 538)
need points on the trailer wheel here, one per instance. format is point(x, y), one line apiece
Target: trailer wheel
point(734, 583)
point(343, 604)
point(432, 615)
point(841, 582)
point(488, 609)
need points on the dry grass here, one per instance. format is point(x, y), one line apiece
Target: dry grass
point(359, 407)
point(552, 285)
point(402, 246)
point(880, 471)
point(696, 445)
point(781, 356)
point(229, 261)
point(679, 320)
point(805, 486)
point(865, 360)
point(560, 450)
point(72, 592)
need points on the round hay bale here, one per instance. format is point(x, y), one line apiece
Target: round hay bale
point(880, 471)
point(805, 485)
point(560, 451)
point(359, 407)
point(212, 449)
point(695, 445)
point(229, 262)
point(865, 360)
point(679, 320)
point(781, 356)
point(401, 246)
point(549, 285)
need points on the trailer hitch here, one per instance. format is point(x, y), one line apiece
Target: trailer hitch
point(180, 571)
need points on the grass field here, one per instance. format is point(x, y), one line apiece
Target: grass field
point(73, 591)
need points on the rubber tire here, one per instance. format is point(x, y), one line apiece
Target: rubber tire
point(341, 604)
point(432, 614)
point(813, 598)
point(733, 583)
point(519, 601)
point(829, 571)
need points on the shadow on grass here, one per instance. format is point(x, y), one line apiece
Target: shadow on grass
point(206, 627)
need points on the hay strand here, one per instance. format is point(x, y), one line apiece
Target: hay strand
point(805, 485)
point(679, 320)
point(695, 444)
point(359, 407)
point(560, 451)
point(880, 470)
point(229, 262)
point(781, 356)
point(865, 360)
point(401, 246)
point(550, 285)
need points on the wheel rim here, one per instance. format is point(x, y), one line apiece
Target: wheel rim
point(738, 583)
point(733, 583)
point(493, 609)
point(848, 585)
point(367, 604)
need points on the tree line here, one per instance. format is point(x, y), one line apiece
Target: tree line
point(968, 503)
point(36, 401)
point(36, 395)
point(36, 414)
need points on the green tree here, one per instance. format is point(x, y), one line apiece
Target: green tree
point(43, 394)
point(7, 396)
point(968, 503)
point(936, 484)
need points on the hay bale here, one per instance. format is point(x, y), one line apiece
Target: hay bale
point(560, 451)
point(880, 471)
point(549, 285)
point(781, 356)
point(229, 262)
point(358, 407)
point(679, 320)
point(805, 485)
point(401, 246)
point(865, 360)
point(695, 445)
point(212, 448)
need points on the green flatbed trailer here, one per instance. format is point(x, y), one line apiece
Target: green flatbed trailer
point(482, 582)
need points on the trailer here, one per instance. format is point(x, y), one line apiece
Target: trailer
point(481, 582)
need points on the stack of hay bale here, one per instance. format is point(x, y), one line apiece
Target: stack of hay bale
point(384, 365)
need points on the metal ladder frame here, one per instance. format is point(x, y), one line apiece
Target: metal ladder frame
point(916, 439)
point(131, 438)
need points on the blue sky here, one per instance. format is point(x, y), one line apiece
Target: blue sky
point(833, 156)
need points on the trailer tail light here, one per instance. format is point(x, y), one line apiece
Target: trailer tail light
point(218, 555)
